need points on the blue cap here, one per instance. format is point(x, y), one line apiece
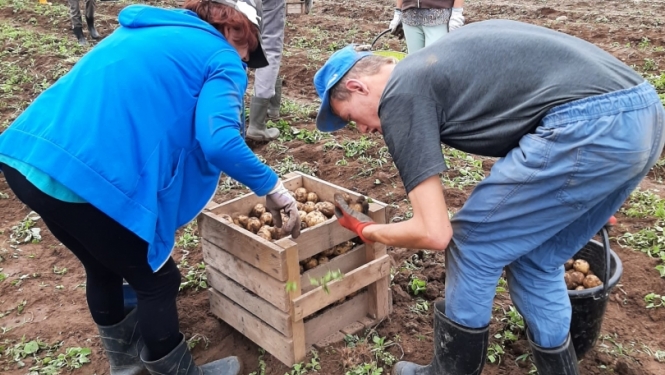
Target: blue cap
point(332, 71)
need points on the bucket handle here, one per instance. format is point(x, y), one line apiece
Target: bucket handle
point(384, 32)
point(608, 258)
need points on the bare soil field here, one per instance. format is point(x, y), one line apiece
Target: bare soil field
point(45, 326)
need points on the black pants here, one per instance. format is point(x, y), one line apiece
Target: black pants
point(109, 252)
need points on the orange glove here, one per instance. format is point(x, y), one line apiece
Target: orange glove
point(612, 221)
point(350, 219)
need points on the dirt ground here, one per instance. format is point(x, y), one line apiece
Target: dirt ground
point(42, 296)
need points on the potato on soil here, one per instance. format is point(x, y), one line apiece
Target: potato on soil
point(266, 218)
point(326, 208)
point(311, 263)
point(569, 264)
point(301, 194)
point(313, 218)
point(312, 197)
point(258, 210)
point(577, 277)
point(323, 259)
point(591, 281)
point(253, 224)
point(309, 207)
point(581, 265)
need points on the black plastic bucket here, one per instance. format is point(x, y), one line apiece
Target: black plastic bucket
point(589, 304)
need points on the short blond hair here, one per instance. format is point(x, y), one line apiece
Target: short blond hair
point(367, 66)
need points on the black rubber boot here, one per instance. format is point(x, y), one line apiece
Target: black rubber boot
point(458, 350)
point(180, 362)
point(91, 27)
point(257, 131)
point(123, 344)
point(276, 100)
point(78, 33)
point(555, 361)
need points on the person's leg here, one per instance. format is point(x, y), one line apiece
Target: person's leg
point(574, 161)
point(414, 36)
point(265, 79)
point(77, 23)
point(434, 33)
point(272, 40)
point(90, 6)
point(110, 252)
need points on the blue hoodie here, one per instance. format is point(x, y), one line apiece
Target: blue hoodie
point(143, 125)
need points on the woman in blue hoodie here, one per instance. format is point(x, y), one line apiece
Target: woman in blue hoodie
point(129, 146)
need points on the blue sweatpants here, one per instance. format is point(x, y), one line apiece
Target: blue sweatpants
point(543, 201)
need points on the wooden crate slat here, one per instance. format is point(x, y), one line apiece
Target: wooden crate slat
point(322, 237)
point(345, 263)
point(335, 319)
point(244, 245)
point(279, 320)
point(379, 300)
point(357, 279)
point(244, 203)
point(299, 350)
point(246, 275)
point(325, 190)
point(252, 327)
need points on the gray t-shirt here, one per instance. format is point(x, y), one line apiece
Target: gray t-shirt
point(483, 87)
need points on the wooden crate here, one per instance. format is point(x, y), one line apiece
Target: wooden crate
point(248, 276)
point(295, 7)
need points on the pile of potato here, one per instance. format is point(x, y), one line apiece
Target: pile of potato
point(579, 276)
point(312, 212)
point(325, 256)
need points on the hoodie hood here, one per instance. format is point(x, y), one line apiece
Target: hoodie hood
point(137, 16)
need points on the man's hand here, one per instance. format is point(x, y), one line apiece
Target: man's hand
point(350, 219)
point(280, 199)
point(396, 24)
point(456, 19)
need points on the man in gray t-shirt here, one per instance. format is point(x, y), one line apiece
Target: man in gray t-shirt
point(576, 130)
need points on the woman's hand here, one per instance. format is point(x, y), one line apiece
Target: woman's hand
point(280, 199)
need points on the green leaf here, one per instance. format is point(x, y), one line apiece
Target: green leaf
point(31, 347)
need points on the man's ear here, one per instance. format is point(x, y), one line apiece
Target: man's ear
point(358, 86)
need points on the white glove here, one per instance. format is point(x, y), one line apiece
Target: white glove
point(397, 20)
point(280, 199)
point(456, 19)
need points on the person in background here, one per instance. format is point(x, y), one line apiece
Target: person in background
point(425, 21)
point(77, 23)
point(266, 101)
point(575, 131)
point(127, 147)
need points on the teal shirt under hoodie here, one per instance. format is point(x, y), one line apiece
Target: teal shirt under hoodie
point(143, 125)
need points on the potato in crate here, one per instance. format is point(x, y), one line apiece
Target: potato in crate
point(262, 284)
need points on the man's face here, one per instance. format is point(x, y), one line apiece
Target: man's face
point(361, 109)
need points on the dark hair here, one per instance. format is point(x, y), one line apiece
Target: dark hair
point(221, 16)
